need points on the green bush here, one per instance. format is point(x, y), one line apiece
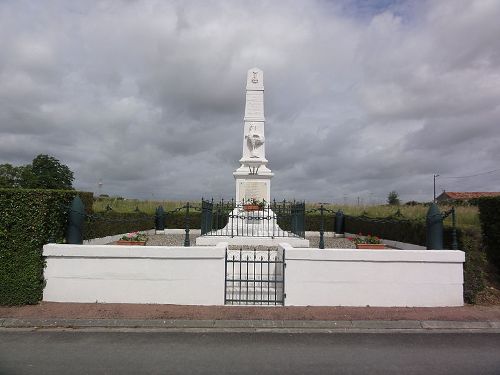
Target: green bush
point(112, 223)
point(313, 222)
point(469, 240)
point(28, 220)
point(489, 216)
point(410, 231)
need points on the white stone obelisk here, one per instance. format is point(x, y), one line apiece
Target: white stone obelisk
point(253, 178)
point(253, 181)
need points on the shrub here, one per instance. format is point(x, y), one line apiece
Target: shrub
point(112, 223)
point(475, 265)
point(489, 216)
point(28, 220)
point(410, 231)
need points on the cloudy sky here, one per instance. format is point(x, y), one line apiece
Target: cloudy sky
point(362, 97)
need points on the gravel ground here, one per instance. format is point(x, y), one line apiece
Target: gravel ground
point(178, 240)
point(170, 239)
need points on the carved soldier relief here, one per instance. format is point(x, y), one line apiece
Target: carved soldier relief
point(254, 139)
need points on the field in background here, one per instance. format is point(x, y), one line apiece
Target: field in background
point(130, 205)
point(466, 215)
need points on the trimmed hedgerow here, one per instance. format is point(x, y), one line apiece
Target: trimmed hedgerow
point(28, 220)
point(489, 216)
point(409, 231)
point(469, 240)
point(313, 222)
point(111, 223)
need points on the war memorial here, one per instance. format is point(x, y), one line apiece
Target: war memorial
point(252, 251)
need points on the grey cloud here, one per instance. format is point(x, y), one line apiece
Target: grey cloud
point(361, 98)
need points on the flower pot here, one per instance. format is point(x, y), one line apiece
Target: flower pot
point(131, 243)
point(373, 246)
point(251, 207)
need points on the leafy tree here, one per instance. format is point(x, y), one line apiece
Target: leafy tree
point(10, 176)
point(393, 198)
point(46, 172)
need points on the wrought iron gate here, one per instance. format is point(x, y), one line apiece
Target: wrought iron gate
point(255, 277)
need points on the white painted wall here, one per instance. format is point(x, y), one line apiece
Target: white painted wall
point(135, 274)
point(349, 277)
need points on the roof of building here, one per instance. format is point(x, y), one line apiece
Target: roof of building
point(470, 194)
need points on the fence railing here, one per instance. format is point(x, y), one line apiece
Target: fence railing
point(247, 219)
point(277, 219)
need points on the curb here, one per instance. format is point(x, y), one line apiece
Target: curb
point(286, 326)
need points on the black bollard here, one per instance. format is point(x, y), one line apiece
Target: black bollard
point(339, 222)
point(74, 231)
point(434, 223)
point(160, 218)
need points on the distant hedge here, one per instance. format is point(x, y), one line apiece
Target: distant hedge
point(28, 220)
point(410, 231)
point(489, 216)
point(112, 223)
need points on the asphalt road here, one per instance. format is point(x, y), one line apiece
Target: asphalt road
point(78, 352)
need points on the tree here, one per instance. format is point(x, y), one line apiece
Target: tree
point(46, 172)
point(10, 176)
point(393, 198)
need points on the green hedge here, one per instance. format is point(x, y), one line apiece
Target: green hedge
point(112, 223)
point(469, 240)
point(489, 216)
point(28, 220)
point(409, 231)
point(313, 222)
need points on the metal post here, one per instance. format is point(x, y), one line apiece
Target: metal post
point(186, 221)
point(434, 199)
point(321, 229)
point(232, 218)
point(454, 242)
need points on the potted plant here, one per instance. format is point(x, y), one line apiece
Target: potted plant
point(254, 205)
point(134, 239)
point(367, 242)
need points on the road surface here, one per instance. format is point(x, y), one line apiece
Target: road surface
point(84, 352)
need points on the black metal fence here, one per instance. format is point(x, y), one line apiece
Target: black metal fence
point(82, 225)
point(255, 277)
point(235, 219)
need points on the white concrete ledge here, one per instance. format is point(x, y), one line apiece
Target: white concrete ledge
point(135, 274)
point(349, 277)
point(252, 241)
point(386, 255)
point(124, 251)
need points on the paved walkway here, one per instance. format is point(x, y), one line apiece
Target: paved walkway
point(97, 315)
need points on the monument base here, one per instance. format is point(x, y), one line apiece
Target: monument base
point(252, 241)
point(252, 228)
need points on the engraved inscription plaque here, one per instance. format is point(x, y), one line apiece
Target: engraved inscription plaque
point(254, 105)
point(254, 190)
